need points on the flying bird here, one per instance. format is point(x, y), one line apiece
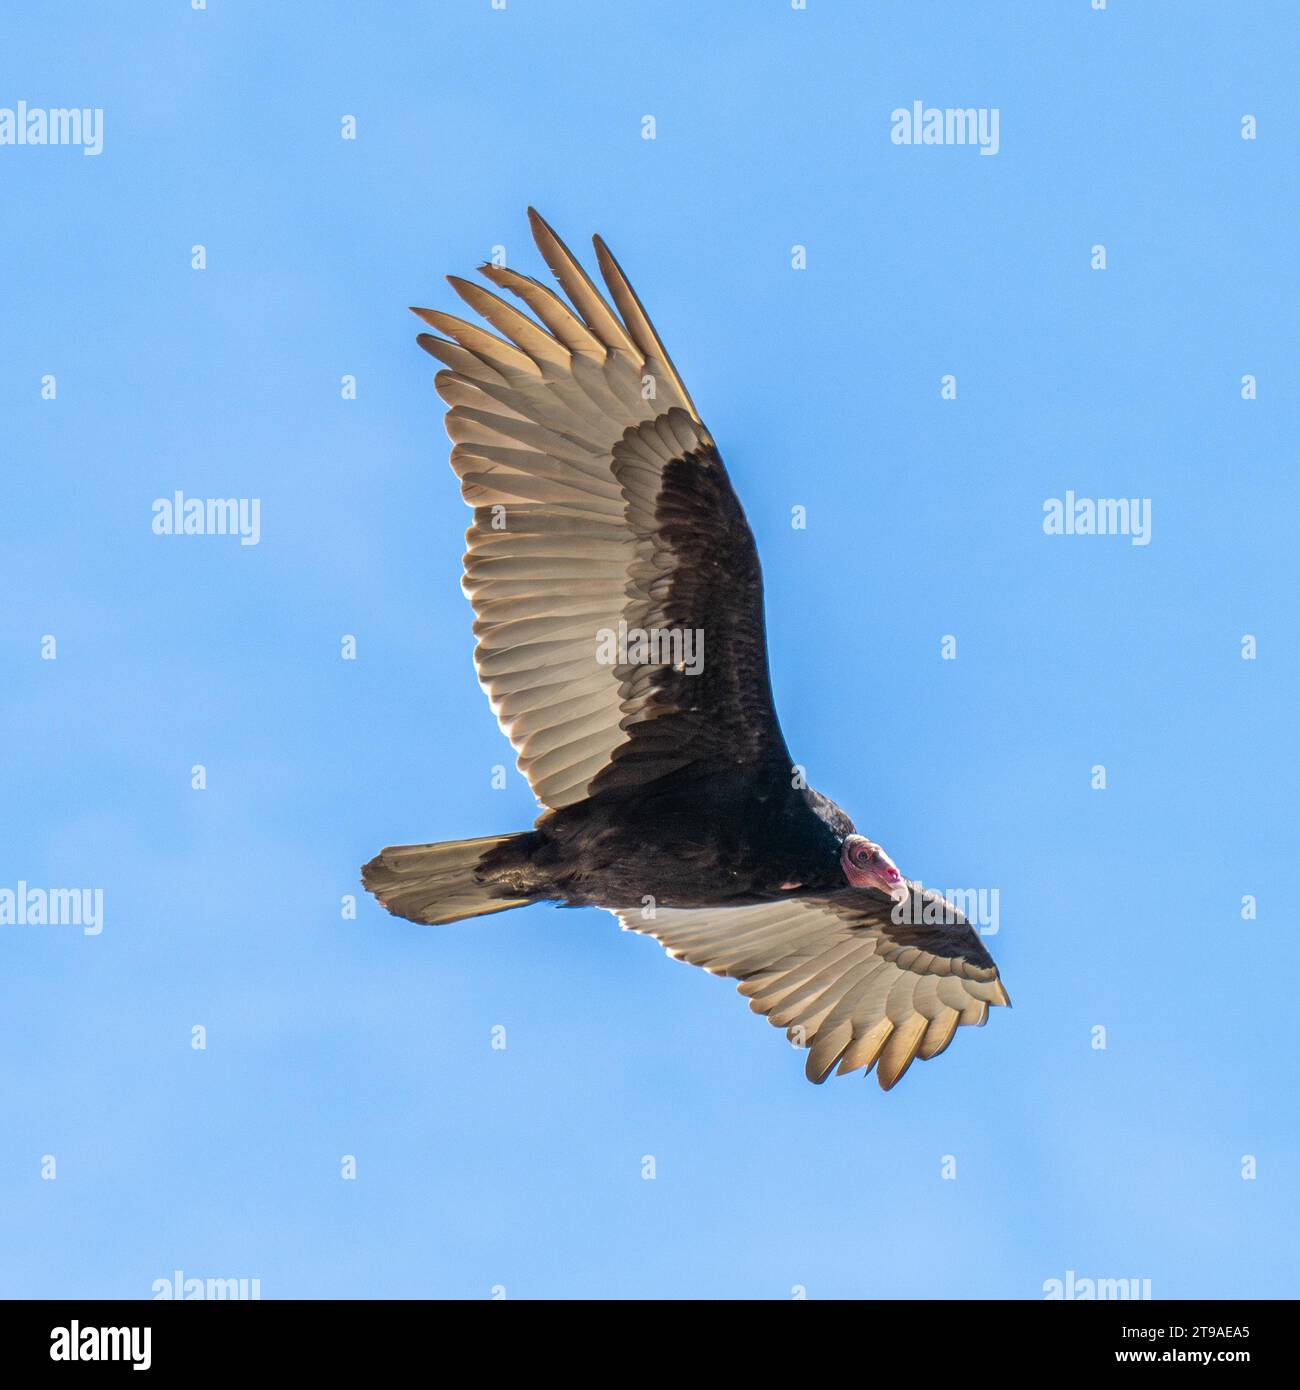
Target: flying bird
point(621, 644)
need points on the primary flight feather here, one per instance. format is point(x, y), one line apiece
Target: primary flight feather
point(619, 618)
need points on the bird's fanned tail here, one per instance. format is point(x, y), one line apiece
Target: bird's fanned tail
point(439, 883)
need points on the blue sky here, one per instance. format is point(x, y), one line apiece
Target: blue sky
point(521, 1167)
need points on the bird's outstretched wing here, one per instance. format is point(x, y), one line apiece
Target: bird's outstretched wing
point(602, 516)
point(840, 975)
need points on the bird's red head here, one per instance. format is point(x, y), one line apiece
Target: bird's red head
point(866, 865)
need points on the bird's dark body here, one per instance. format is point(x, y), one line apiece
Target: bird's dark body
point(690, 841)
point(702, 806)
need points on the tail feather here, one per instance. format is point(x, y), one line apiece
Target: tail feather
point(438, 883)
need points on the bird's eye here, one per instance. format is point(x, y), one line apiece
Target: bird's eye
point(862, 855)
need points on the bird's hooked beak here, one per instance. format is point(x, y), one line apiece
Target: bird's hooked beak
point(866, 865)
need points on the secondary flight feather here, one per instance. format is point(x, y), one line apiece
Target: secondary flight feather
point(618, 607)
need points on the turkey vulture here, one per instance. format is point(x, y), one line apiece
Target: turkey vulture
point(619, 607)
